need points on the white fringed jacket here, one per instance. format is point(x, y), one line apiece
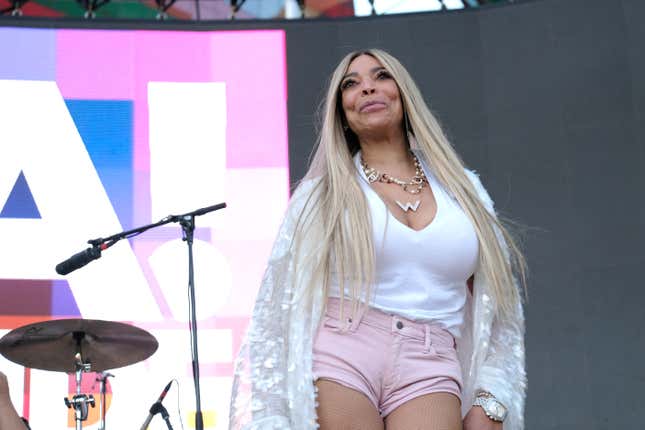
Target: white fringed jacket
point(272, 386)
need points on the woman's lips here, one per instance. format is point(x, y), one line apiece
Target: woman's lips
point(372, 106)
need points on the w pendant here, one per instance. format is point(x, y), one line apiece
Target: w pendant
point(407, 206)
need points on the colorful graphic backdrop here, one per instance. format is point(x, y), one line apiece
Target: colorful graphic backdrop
point(103, 131)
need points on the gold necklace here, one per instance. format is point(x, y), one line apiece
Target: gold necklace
point(412, 186)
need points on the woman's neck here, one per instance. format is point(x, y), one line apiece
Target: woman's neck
point(390, 152)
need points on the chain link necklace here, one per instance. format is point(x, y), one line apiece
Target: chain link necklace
point(413, 186)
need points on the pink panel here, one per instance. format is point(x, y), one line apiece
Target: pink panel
point(252, 64)
point(95, 65)
point(248, 262)
point(165, 57)
point(108, 65)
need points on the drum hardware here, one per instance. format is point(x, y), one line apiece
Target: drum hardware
point(80, 401)
point(79, 346)
point(187, 222)
point(102, 378)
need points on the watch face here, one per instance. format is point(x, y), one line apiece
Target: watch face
point(496, 409)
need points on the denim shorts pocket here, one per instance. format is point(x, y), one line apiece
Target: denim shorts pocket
point(446, 352)
point(336, 325)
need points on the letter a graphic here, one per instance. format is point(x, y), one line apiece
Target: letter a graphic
point(73, 206)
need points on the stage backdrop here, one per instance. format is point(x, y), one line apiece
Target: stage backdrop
point(544, 98)
point(107, 130)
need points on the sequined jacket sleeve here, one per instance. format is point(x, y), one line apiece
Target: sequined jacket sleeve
point(499, 363)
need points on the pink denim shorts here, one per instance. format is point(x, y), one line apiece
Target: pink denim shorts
point(388, 358)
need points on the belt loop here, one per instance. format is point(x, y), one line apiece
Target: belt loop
point(356, 319)
point(428, 340)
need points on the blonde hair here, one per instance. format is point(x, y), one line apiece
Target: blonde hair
point(336, 218)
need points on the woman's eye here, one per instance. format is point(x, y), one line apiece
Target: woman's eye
point(383, 74)
point(346, 84)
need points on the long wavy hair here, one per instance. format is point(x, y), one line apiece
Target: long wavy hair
point(336, 225)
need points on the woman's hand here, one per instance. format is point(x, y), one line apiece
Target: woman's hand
point(476, 419)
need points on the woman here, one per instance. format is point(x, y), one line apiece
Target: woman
point(386, 228)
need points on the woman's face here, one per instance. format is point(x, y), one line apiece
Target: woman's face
point(370, 98)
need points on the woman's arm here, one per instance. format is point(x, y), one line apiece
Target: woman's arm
point(503, 371)
point(260, 397)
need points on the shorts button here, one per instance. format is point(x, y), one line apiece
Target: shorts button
point(399, 325)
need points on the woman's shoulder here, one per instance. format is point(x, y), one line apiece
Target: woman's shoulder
point(474, 177)
point(305, 188)
point(303, 196)
point(479, 187)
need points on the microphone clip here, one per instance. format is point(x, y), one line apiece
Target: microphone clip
point(158, 408)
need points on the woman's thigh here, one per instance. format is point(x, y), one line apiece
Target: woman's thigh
point(435, 411)
point(342, 408)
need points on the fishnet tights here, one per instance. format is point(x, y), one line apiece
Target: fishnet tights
point(342, 408)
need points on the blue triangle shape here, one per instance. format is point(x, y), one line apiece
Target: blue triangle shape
point(20, 203)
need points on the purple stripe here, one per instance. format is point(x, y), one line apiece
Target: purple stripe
point(28, 54)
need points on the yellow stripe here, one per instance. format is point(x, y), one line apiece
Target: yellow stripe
point(210, 419)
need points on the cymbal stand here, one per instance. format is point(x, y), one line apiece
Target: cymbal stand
point(102, 378)
point(80, 401)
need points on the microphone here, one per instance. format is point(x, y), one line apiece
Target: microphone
point(208, 209)
point(154, 408)
point(78, 260)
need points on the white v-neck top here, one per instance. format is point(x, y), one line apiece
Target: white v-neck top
point(421, 275)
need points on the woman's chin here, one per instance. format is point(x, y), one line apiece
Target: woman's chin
point(376, 129)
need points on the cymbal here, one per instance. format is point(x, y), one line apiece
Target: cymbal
point(52, 345)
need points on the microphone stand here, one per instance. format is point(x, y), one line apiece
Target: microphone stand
point(158, 408)
point(188, 226)
point(187, 222)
